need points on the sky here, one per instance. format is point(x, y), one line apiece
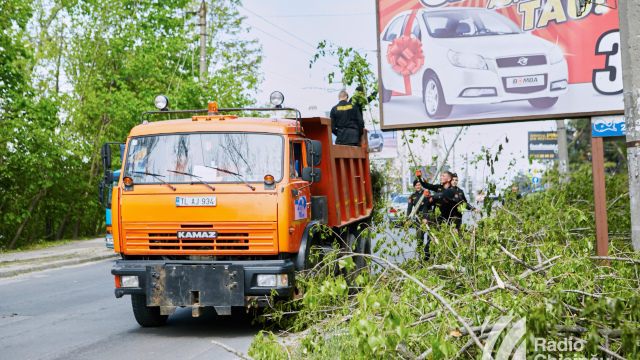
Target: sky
point(289, 32)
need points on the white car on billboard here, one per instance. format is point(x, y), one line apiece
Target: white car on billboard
point(471, 56)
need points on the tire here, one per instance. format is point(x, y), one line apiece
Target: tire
point(313, 255)
point(543, 103)
point(385, 95)
point(146, 316)
point(433, 99)
point(362, 246)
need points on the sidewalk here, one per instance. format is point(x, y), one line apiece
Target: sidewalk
point(77, 252)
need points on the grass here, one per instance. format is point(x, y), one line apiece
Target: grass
point(44, 244)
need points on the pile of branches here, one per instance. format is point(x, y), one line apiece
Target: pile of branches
point(532, 259)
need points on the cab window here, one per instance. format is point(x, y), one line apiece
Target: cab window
point(295, 166)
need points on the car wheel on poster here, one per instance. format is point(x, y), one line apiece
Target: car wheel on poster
point(543, 103)
point(386, 94)
point(433, 99)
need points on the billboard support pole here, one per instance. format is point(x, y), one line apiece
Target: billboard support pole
point(599, 196)
point(628, 12)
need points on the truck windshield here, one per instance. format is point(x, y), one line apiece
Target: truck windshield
point(251, 156)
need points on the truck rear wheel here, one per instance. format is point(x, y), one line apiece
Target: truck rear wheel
point(358, 244)
point(146, 316)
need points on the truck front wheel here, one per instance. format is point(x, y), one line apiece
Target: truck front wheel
point(146, 316)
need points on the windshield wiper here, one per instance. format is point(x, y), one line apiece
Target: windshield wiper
point(238, 176)
point(195, 176)
point(157, 177)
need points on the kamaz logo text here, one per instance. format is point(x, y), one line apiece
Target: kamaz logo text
point(197, 234)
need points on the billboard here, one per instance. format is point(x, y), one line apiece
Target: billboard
point(459, 62)
point(543, 145)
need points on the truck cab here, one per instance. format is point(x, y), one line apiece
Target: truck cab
point(217, 211)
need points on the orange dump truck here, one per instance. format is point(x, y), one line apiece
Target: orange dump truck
point(217, 210)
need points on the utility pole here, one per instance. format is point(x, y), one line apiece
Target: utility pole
point(203, 40)
point(629, 14)
point(563, 152)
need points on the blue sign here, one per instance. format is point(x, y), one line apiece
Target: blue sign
point(535, 180)
point(300, 208)
point(612, 125)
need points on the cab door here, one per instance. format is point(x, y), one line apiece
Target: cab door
point(301, 198)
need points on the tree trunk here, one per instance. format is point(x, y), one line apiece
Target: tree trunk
point(34, 202)
point(95, 225)
point(563, 152)
point(63, 223)
point(35, 228)
point(76, 226)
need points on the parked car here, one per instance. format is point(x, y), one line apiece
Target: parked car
point(471, 56)
point(376, 141)
point(398, 208)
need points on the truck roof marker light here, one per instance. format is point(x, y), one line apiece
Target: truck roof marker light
point(213, 108)
point(277, 99)
point(161, 102)
point(269, 179)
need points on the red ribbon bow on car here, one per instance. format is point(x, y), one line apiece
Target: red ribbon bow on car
point(405, 54)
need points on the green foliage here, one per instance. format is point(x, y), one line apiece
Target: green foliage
point(89, 72)
point(385, 309)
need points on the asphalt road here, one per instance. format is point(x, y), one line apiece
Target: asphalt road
point(71, 313)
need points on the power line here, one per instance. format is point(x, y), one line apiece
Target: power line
point(284, 42)
point(319, 15)
point(314, 47)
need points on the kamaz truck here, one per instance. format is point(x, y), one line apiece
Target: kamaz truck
point(217, 210)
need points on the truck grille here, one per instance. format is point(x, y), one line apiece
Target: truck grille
point(250, 238)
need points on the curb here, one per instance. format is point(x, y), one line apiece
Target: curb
point(55, 264)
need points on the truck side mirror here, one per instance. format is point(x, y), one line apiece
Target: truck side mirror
point(106, 156)
point(101, 192)
point(314, 152)
point(311, 174)
point(108, 177)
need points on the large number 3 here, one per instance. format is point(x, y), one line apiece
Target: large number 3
point(608, 81)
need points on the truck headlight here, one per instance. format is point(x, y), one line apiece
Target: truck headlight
point(129, 281)
point(465, 60)
point(273, 280)
point(556, 56)
point(266, 280)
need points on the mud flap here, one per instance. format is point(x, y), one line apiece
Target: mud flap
point(195, 285)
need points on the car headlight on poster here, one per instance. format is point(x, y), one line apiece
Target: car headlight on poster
point(465, 60)
point(556, 55)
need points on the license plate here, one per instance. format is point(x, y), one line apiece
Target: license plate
point(196, 201)
point(525, 81)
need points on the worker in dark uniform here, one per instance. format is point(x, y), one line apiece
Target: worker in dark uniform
point(419, 198)
point(436, 198)
point(456, 216)
point(346, 122)
point(360, 99)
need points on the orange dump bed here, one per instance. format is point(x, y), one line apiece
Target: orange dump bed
point(346, 179)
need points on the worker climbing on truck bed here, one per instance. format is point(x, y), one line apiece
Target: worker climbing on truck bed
point(346, 122)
